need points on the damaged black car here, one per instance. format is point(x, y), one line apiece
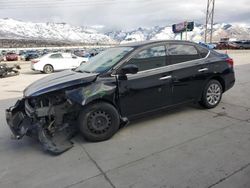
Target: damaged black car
point(117, 85)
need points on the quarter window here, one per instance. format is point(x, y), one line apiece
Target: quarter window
point(179, 53)
point(203, 51)
point(150, 58)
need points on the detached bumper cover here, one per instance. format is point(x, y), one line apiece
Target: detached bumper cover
point(17, 120)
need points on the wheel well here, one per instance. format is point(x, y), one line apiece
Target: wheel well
point(48, 64)
point(104, 100)
point(221, 80)
point(123, 120)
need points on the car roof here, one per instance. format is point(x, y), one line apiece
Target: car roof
point(151, 42)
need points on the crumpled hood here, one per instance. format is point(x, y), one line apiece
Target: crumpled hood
point(58, 81)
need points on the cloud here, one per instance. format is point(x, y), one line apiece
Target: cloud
point(124, 14)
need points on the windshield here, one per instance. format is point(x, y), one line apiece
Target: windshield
point(104, 60)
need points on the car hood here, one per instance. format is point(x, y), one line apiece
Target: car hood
point(58, 81)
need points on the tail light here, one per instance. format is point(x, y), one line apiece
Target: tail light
point(35, 61)
point(230, 62)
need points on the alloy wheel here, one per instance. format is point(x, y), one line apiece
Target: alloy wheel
point(213, 94)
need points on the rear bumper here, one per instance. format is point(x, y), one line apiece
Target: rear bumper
point(229, 81)
point(35, 67)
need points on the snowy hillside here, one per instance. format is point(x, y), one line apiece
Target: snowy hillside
point(234, 32)
point(13, 29)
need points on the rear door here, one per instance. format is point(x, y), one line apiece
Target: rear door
point(150, 88)
point(189, 71)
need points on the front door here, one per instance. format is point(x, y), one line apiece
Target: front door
point(57, 61)
point(150, 88)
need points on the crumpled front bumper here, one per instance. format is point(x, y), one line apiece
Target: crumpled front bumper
point(17, 120)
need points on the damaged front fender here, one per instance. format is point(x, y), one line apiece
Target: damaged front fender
point(95, 91)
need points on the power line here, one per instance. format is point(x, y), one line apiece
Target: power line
point(9, 3)
point(49, 3)
point(63, 3)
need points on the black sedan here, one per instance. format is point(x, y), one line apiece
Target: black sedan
point(117, 85)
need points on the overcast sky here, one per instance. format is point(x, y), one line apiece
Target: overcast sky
point(123, 14)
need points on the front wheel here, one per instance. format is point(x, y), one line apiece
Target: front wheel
point(212, 94)
point(99, 121)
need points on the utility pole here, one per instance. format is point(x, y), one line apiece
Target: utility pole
point(209, 21)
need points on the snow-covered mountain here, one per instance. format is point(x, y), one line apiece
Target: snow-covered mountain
point(234, 32)
point(14, 29)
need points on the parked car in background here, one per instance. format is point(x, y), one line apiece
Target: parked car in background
point(1, 57)
point(243, 44)
point(22, 55)
point(56, 62)
point(11, 56)
point(227, 45)
point(118, 85)
point(80, 53)
point(30, 56)
point(208, 45)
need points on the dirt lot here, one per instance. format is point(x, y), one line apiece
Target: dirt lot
point(185, 147)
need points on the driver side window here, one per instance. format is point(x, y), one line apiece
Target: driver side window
point(150, 58)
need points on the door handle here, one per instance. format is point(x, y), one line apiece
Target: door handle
point(203, 70)
point(166, 77)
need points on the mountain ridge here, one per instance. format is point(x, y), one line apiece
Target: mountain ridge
point(16, 29)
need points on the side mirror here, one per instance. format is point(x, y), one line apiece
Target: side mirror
point(128, 69)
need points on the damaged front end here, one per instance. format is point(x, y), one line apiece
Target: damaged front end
point(50, 118)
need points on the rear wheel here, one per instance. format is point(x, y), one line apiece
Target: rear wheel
point(99, 121)
point(212, 94)
point(48, 69)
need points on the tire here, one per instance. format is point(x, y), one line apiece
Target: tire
point(98, 121)
point(212, 94)
point(48, 69)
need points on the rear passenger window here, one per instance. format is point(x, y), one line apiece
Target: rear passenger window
point(181, 53)
point(55, 56)
point(150, 58)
